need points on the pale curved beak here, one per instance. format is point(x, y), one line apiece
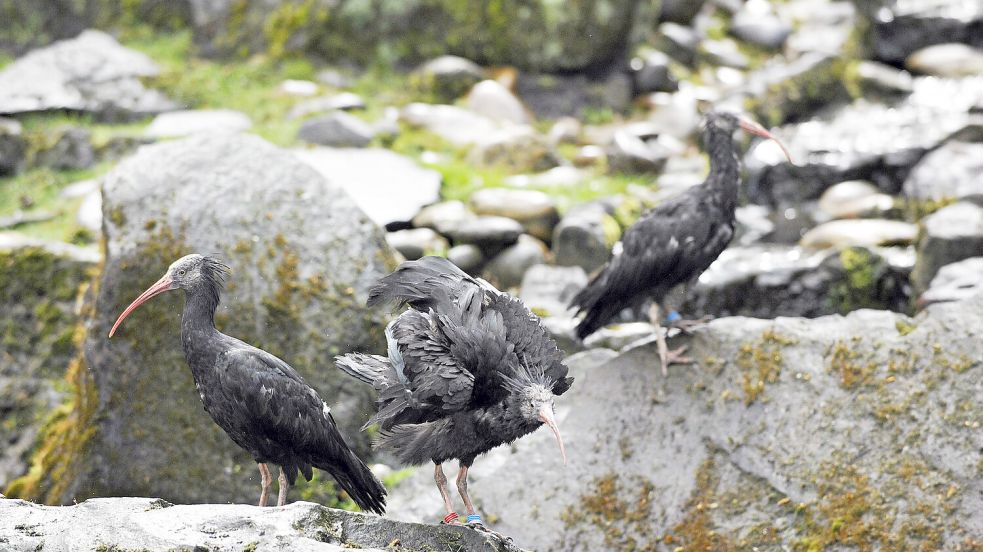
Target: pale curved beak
point(758, 130)
point(164, 284)
point(546, 416)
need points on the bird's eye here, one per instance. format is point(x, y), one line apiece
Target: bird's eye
point(181, 272)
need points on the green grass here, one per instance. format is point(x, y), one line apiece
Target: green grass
point(37, 190)
point(5, 59)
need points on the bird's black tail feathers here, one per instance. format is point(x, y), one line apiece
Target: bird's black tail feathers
point(597, 307)
point(358, 481)
point(394, 397)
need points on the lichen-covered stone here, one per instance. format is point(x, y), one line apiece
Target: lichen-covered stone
point(858, 432)
point(303, 257)
point(39, 284)
point(105, 524)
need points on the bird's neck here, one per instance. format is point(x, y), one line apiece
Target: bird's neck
point(199, 309)
point(724, 177)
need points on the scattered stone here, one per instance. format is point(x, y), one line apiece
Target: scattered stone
point(90, 72)
point(294, 87)
point(506, 269)
point(757, 23)
point(955, 282)
point(859, 232)
point(630, 154)
point(448, 77)
point(900, 28)
point(680, 11)
point(414, 243)
point(367, 175)
point(557, 177)
point(953, 171)
point(862, 140)
point(457, 125)
point(345, 101)
point(547, 290)
point(192, 121)
point(854, 198)
point(490, 99)
point(678, 41)
point(952, 60)
point(551, 96)
point(334, 78)
point(443, 216)
point(651, 73)
point(754, 224)
point(584, 237)
point(13, 147)
point(120, 145)
point(879, 79)
point(490, 233)
point(566, 130)
point(950, 234)
point(781, 92)
point(154, 524)
point(535, 210)
point(338, 130)
point(619, 336)
point(467, 257)
point(69, 148)
point(723, 52)
point(20, 218)
point(78, 189)
point(589, 156)
point(520, 148)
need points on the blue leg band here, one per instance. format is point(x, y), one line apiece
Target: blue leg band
point(474, 518)
point(673, 316)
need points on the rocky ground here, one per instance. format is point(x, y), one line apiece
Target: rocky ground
point(314, 156)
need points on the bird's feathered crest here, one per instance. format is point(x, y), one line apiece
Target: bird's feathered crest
point(215, 271)
point(523, 376)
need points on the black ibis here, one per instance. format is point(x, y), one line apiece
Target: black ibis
point(259, 400)
point(468, 369)
point(674, 242)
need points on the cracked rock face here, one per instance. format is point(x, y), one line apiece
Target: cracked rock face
point(154, 524)
point(833, 432)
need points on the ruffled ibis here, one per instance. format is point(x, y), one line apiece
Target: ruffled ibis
point(468, 369)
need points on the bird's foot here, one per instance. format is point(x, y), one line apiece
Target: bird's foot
point(451, 519)
point(674, 356)
point(474, 522)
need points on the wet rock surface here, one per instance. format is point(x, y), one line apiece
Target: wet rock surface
point(338, 130)
point(955, 282)
point(953, 171)
point(950, 234)
point(187, 122)
point(154, 524)
point(784, 425)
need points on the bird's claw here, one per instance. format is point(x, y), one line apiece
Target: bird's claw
point(480, 526)
point(675, 356)
point(687, 326)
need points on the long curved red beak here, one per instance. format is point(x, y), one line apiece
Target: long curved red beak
point(546, 416)
point(758, 130)
point(164, 284)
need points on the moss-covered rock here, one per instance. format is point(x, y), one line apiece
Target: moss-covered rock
point(39, 283)
point(532, 34)
point(303, 257)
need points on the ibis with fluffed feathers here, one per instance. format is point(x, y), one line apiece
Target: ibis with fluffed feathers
point(468, 369)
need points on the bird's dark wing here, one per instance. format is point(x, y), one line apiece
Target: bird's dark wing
point(668, 245)
point(533, 346)
point(430, 283)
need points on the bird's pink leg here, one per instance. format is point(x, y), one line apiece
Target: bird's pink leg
point(281, 498)
point(462, 487)
point(265, 480)
point(666, 357)
point(441, 479)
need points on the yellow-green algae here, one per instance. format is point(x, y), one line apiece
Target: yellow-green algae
point(760, 362)
point(621, 515)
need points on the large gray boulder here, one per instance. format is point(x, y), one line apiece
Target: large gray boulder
point(303, 256)
point(831, 434)
point(90, 72)
point(39, 284)
point(105, 524)
point(953, 171)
